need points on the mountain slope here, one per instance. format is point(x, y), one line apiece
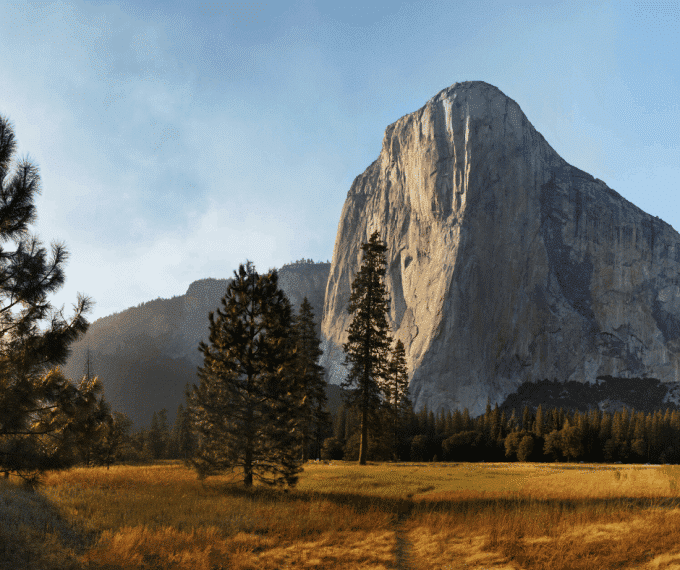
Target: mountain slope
point(146, 354)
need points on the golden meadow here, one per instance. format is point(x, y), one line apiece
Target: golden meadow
point(341, 515)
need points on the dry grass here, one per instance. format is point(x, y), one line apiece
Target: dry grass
point(380, 516)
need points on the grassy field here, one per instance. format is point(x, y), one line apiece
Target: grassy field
point(431, 516)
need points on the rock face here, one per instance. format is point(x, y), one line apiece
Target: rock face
point(146, 354)
point(505, 263)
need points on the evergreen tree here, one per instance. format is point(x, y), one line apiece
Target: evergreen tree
point(164, 430)
point(158, 435)
point(526, 419)
point(504, 426)
point(457, 423)
point(448, 431)
point(494, 424)
point(538, 423)
point(397, 400)
point(422, 420)
point(115, 436)
point(172, 451)
point(187, 442)
point(92, 432)
point(368, 339)
point(468, 423)
point(89, 441)
point(314, 417)
point(247, 405)
point(618, 426)
point(36, 401)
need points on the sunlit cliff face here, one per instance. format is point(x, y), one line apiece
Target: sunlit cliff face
point(505, 263)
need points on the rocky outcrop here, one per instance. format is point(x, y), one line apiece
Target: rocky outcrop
point(146, 354)
point(505, 263)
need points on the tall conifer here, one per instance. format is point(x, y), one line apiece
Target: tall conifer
point(247, 404)
point(369, 341)
point(397, 401)
point(314, 417)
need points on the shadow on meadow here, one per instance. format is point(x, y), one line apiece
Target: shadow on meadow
point(237, 522)
point(451, 502)
point(35, 534)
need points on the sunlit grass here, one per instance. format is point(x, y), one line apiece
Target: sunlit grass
point(342, 515)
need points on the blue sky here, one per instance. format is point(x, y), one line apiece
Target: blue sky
point(177, 139)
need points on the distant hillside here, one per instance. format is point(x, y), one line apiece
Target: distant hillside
point(146, 354)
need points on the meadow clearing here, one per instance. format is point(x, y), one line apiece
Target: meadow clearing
point(381, 516)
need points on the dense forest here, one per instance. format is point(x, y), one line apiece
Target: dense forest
point(549, 434)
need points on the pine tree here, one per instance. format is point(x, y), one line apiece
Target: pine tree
point(115, 435)
point(247, 404)
point(526, 419)
point(448, 431)
point(164, 430)
point(494, 424)
point(538, 423)
point(368, 339)
point(458, 425)
point(314, 417)
point(92, 432)
point(172, 451)
point(158, 435)
point(468, 423)
point(397, 401)
point(187, 442)
point(36, 401)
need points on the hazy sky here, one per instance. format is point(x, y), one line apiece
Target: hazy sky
point(177, 139)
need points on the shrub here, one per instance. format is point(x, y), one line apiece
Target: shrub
point(419, 448)
point(332, 449)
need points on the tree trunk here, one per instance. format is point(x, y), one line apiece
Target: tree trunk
point(248, 455)
point(363, 448)
point(305, 440)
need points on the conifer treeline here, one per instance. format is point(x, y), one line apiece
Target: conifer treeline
point(546, 435)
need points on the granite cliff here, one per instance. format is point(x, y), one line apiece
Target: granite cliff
point(505, 264)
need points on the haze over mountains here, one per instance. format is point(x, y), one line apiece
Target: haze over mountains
point(146, 354)
point(506, 266)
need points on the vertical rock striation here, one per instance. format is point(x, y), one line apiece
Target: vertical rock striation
point(505, 263)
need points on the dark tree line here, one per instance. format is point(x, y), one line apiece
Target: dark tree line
point(160, 441)
point(545, 435)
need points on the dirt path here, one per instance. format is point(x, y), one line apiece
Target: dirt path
point(403, 548)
